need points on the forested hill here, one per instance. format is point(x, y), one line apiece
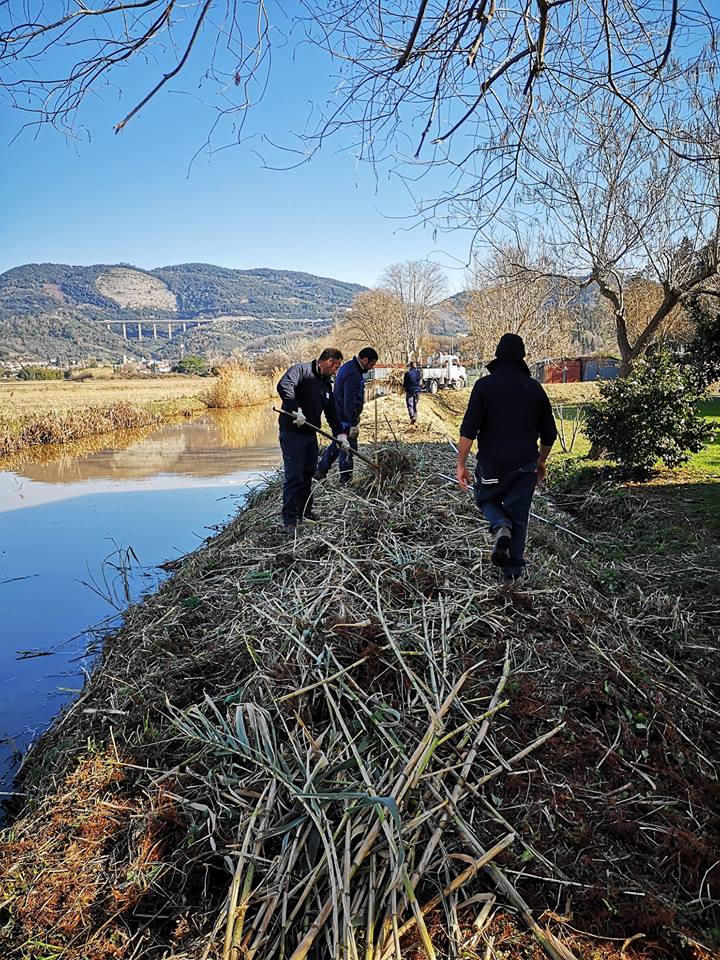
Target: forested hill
point(45, 308)
point(188, 290)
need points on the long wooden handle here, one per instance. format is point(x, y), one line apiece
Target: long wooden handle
point(552, 523)
point(329, 436)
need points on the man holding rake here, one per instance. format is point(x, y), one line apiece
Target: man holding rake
point(306, 392)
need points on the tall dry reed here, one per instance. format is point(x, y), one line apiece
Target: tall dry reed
point(238, 386)
point(65, 426)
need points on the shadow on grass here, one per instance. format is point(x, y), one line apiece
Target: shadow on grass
point(693, 501)
point(673, 510)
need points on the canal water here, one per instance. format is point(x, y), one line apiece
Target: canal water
point(83, 529)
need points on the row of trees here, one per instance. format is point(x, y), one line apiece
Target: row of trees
point(395, 316)
point(556, 313)
point(555, 308)
point(401, 313)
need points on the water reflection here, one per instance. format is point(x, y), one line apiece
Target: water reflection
point(64, 511)
point(213, 445)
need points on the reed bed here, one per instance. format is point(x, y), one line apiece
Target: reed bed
point(68, 426)
point(356, 744)
point(236, 385)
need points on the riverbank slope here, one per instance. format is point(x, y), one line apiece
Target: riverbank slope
point(297, 745)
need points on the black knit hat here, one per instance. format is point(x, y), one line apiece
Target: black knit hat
point(510, 347)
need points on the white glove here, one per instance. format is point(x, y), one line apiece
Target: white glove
point(342, 442)
point(300, 420)
point(353, 432)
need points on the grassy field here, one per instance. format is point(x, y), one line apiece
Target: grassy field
point(19, 399)
point(689, 496)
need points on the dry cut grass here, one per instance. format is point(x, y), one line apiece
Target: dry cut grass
point(373, 750)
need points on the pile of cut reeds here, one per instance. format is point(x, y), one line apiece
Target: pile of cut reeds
point(354, 743)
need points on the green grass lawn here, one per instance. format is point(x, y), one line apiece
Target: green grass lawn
point(708, 460)
point(689, 495)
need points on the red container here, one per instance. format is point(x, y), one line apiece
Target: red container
point(563, 371)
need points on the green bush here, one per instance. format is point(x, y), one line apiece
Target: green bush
point(647, 417)
point(701, 359)
point(40, 373)
point(192, 364)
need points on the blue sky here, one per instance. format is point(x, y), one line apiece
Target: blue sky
point(135, 197)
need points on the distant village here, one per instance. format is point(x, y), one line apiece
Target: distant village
point(549, 370)
point(23, 368)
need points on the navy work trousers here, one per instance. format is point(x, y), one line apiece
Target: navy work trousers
point(346, 460)
point(300, 453)
point(411, 399)
point(507, 504)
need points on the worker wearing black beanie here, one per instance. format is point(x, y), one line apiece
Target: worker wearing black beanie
point(508, 412)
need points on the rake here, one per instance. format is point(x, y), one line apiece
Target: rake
point(329, 436)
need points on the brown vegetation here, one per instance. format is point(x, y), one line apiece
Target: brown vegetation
point(55, 868)
point(59, 413)
point(41, 397)
point(71, 425)
point(237, 385)
point(317, 707)
point(507, 296)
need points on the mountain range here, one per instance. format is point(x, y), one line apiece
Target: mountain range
point(72, 312)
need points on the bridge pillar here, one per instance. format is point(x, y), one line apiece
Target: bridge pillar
point(169, 330)
point(154, 331)
point(124, 326)
point(184, 327)
point(139, 330)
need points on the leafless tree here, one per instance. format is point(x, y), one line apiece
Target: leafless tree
point(465, 84)
point(375, 319)
point(506, 295)
point(52, 56)
point(616, 207)
point(416, 286)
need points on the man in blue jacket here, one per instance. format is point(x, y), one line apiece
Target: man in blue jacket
point(306, 393)
point(412, 384)
point(349, 396)
point(507, 414)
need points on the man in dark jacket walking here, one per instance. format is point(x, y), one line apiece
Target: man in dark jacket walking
point(412, 384)
point(349, 394)
point(508, 412)
point(306, 392)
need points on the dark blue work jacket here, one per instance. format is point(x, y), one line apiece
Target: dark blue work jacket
point(349, 393)
point(412, 381)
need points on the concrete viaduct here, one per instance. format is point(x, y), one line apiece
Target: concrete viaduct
point(148, 329)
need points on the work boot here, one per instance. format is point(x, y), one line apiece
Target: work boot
point(289, 529)
point(501, 550)
point(319, 475)
point(311, 515)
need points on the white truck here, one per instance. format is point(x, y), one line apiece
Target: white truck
point(443, 370)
